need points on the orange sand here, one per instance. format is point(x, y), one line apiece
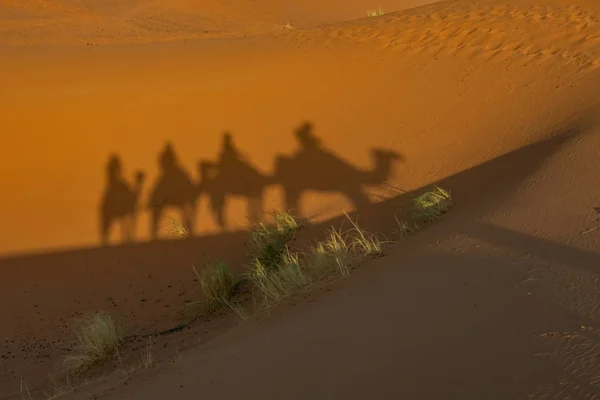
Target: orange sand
point(471, 95)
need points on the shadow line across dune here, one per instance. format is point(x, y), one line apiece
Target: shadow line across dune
point(313, 167)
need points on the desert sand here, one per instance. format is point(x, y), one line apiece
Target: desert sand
point(495, 100)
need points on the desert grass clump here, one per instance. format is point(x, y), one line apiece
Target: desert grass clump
point(270, 239)
point(339, 248)
point(362, 243)
point(97, 340)
point(330, 255)
point(375, 13)
point(431, 205)
point(275, 283)
point(218, 286)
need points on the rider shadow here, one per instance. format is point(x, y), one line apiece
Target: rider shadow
point(232, 175)
point(313, 167)
point(173, 188)
point(119, 201)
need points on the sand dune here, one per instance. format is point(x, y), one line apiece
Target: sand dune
point(496, 101)
point(77, 22)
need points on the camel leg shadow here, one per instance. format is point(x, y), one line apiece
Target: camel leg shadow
point(106, 224)
point(188, 218)
point(156, 215)
point(218, 205)
point(254, 208)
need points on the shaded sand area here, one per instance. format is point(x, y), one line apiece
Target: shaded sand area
point(496, 101)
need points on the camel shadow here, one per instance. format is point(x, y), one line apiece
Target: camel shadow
point(119, 201)
point(232, 175)
point(313, 167)
point(173, 188)
point(316, 168)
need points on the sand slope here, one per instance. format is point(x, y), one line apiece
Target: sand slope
point(476, 96)
point(477, 305)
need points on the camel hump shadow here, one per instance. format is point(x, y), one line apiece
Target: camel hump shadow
point(120, 200)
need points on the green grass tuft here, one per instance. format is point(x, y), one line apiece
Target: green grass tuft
point(330, 255)
point(363, 244)
point(218, 286)
point(431, 205)
point(275, 283)
point(270, 239)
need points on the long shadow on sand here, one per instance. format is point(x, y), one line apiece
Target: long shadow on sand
point(312, 168)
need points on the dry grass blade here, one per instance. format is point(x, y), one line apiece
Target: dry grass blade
point(177, 229)
point(25, 393)
point(147, 357)
point(404, 227)
point(237, 308)
point(97, 339)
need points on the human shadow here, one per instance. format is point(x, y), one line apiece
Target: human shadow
point(119, 201)
point(173, 188)
point(232, 174)
point(314, 167)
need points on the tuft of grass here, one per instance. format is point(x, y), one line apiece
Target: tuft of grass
point(177, 229)
point(271, 239)
point(275, 283)
point(218, 285)
point(431, 205)
point(363, 244)
point(332, 254)
point(97, 340)
point(375, 13)
point(276, 273)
